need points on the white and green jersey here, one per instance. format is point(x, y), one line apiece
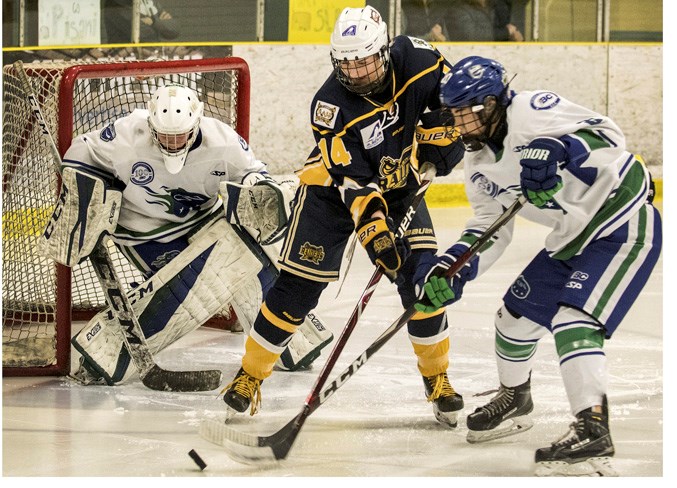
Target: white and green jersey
point(603, 184)
point(158, 205)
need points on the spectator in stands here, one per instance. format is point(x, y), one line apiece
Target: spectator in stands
point(481, 20)
point(157, 24)
point(425, 19)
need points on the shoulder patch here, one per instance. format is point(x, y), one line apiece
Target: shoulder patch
point(544, 100)
point(325, 114)
point(243, 143)
point(108, 133)
point(420, 43)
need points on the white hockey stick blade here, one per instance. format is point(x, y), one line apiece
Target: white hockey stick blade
point(598, 466)
point(247, 448)
point(509, 427)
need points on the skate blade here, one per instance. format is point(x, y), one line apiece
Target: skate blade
point(448, 419)
point(509, 427)
point(598, 466)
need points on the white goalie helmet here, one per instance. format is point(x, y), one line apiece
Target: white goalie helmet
point(174, 119)
point(360, 50)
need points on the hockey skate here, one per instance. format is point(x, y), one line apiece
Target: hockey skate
point(244, 391)
point(446, 402)
point(585, 450)
point(506, 414)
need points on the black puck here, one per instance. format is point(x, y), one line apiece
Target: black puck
point(198, 460)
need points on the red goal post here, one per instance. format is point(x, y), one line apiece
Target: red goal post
point(40, 299)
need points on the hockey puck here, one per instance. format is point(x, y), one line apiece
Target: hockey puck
point(198, 460)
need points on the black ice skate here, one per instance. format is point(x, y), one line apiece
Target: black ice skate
point(506, 414)
point(243, 391)
point(585, 450)
point(446, 402)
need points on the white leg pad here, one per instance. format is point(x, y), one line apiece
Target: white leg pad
point(305, 345)
point(177, 300)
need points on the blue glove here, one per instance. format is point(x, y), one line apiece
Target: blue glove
point(377, 236)
point(540, 161)
point(432, 288)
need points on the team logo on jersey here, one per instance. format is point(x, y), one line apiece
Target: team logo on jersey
point(420, 43)
point(325, 114)
point(372, 135)
point(313, 254)
point(544, 100)
point(108, 133)
point(177, 201)
point(142, 173)
point(485, 185)
point(520, 288)
point(164, 258)
point(393, 173)
point(243, 143)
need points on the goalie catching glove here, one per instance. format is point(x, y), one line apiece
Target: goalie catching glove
point(88, 208)
point(377, 236)
point(259, 203)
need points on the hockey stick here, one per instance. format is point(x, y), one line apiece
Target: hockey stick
point(152, 375)
point(249, 448)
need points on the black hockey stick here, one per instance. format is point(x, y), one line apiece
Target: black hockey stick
point(249, 448)
point(152, 375)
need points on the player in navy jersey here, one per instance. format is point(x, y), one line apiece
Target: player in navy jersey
point(361, 178)
point(572, 165)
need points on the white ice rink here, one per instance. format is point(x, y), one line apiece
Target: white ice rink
point(377, 425)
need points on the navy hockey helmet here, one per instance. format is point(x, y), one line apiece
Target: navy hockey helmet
point(474, 96)
point(473, 79)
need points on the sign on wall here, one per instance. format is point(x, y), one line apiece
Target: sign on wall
point(313, 20)
point(69, 22)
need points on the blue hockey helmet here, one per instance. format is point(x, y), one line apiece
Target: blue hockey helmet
point(473, 79)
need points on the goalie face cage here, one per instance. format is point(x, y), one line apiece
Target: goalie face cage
point(40, 298)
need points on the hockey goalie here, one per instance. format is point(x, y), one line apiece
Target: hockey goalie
point(188, 204)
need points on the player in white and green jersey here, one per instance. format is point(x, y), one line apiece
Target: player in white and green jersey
point(580, 180)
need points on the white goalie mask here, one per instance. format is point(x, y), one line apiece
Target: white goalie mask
point(174, 120)
point(360, 50)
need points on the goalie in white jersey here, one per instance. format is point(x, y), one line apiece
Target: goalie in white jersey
point(157, 181)
point(572, 165)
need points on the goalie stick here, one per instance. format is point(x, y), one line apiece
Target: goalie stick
point(152, 375)
point(250, 448)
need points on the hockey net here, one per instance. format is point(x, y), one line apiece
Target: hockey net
point(39, 298)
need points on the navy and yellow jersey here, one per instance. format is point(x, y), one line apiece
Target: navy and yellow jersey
point(364, 144)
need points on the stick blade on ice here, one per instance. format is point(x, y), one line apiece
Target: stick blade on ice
point(240, 446)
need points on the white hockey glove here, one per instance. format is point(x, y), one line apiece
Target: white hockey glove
point(87, 209)
point(259, 203)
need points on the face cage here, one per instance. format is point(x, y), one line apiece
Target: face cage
point(476, 141)
point(376, 82)
point(179, 151)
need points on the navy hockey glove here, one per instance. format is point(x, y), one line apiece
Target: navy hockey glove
point(377, 236)
point(433, 290)
point(540, 160)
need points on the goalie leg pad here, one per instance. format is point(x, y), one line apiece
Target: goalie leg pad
point(179, 298)
point(87, 208)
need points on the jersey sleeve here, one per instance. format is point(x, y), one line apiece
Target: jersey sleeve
point(356, 181)
point(485, 212)
point(238, 156)
point(93, 153)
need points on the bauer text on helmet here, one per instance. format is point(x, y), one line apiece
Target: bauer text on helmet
point(174, 119)
point(359, 50)
point(475, 94)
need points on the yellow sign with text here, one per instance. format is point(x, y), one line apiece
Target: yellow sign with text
point(312, 21)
